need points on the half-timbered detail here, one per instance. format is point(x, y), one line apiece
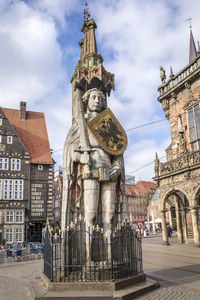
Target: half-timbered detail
point(25, 186)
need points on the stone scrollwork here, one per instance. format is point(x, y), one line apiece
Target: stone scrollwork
point(180, 164)
point(173, 97)
point(165, 107)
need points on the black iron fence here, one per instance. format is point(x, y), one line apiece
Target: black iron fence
point(80, 254)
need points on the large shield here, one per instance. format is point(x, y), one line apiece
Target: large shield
point(108, 131)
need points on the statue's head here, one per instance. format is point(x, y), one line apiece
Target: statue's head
point(94, 100)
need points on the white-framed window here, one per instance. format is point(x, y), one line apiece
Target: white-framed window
point(40, 167)
point(3, 163)
point(9, 139)
point(19, 216)
point(194, 126)
point(18, 189)
point(0, 139)
point(18, 235)
point(9, 217)
point(9, 235)
point(1, 121)
point(15, 164)
point(11, 189)
point(8, 188)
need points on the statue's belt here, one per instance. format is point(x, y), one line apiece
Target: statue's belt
point(101, 174)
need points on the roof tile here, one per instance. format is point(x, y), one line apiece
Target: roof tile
point(33, 134)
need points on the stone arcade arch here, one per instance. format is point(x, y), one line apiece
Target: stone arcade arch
point(175, 206)
point(196, 216)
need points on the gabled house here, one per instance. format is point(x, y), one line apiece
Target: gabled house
point(26, 175)
point(137, 199)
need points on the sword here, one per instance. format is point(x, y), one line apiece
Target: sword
point(84, 138)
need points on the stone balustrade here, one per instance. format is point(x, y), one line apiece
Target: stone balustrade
point(180, 78)
point(182, 163)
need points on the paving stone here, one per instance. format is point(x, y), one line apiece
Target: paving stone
point(15, 277)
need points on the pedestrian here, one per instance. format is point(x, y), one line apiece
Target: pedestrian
point(169, 231)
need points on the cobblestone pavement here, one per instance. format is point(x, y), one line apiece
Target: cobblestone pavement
point(14, 279)
point(169, 291)
point(179, 276)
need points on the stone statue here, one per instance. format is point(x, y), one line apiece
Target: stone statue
point(97, 198)
point(162, 75)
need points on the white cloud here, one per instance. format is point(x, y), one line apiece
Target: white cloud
point(140, 157)
point(30, 57)
point(37, 57)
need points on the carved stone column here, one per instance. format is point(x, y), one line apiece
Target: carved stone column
point(183, 219)
point(164, 227)
point(195, 226)
point(178, 220)
point(170, 217)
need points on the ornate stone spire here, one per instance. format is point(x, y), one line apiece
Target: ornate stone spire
point(89, 72)
point(193, 51)
point(88, 44)
point(171, 74)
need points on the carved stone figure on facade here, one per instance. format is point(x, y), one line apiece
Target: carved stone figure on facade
point(157, 165)
point(162, 75)
point(87, 191)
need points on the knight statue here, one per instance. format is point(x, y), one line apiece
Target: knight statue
point(93, 166)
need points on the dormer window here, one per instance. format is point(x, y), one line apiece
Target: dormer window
point(9, 139)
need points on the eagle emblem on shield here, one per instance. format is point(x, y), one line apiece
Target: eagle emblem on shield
point(109, 133)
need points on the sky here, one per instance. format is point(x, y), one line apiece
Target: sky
point(39, 51)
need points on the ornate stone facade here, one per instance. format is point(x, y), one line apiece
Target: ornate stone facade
point(178, 179)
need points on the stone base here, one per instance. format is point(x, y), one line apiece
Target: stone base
point(124, 289)
point(191, 242)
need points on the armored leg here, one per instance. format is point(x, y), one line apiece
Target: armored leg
point(91, 197)
point(108, 209)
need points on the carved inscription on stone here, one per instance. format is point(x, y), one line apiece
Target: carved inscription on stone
point(38, 196)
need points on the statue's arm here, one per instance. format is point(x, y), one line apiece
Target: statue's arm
point(117, 167)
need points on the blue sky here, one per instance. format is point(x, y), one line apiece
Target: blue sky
point(39, 51)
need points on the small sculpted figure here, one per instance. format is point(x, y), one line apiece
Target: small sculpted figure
point(85, 190)
point(162, 75)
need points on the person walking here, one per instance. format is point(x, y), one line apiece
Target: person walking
point(169, 231)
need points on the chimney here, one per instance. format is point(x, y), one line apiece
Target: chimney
point(22, 114)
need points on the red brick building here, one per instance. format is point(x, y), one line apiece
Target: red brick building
point(137, 199)
point(178, 179)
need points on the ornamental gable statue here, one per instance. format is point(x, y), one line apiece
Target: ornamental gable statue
point(93, 166)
